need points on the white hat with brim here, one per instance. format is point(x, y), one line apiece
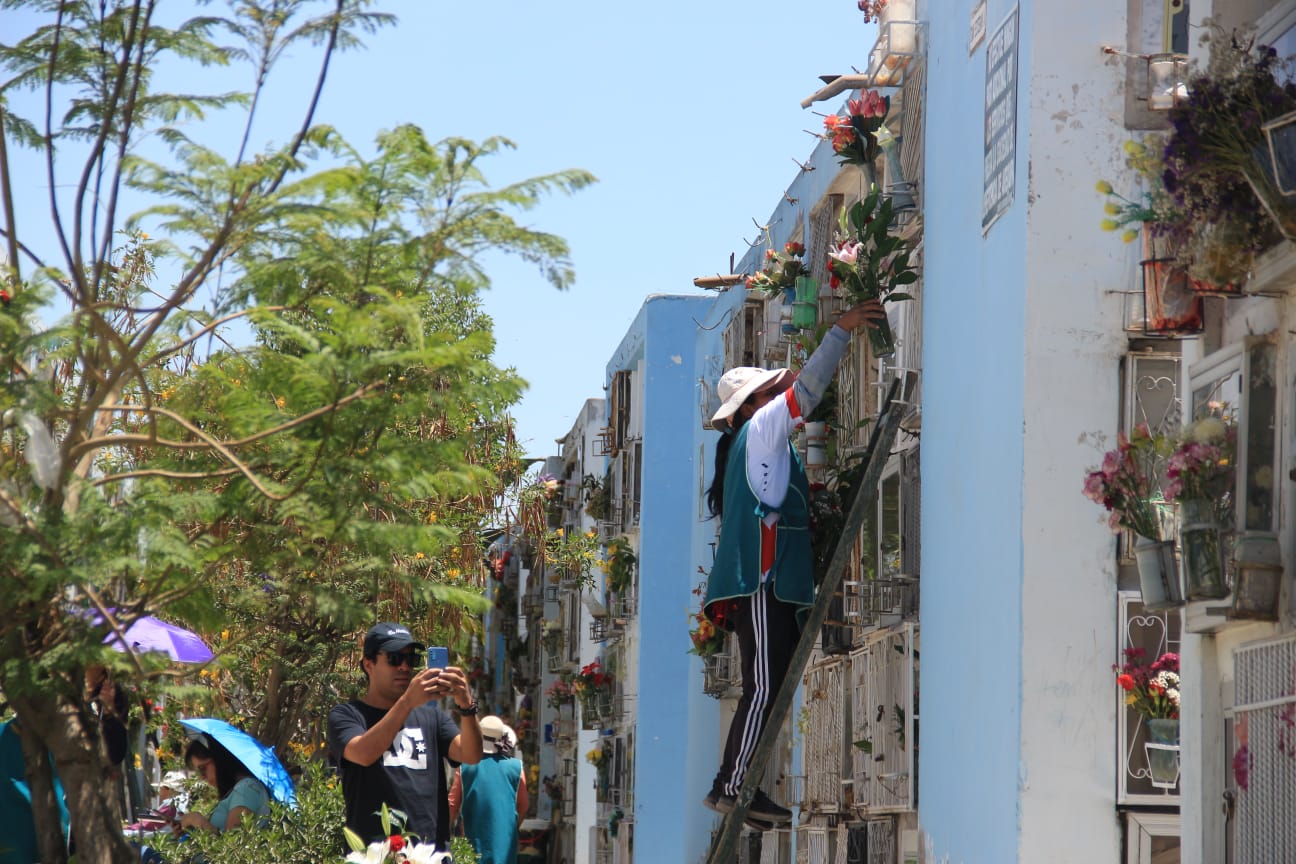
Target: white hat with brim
point(738, 384)
point(495, 731)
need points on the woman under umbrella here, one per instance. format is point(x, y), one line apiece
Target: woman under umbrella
point(240, 793)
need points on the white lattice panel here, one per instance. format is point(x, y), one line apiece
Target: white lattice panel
point(776, 846)
point(882, 676)
point(882, 841)
point(1264, 763)
point(814, 844)
point(841, 845)
point(825, 704)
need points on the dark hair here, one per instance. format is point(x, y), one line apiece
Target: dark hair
point(715, 492)
point(229, 770)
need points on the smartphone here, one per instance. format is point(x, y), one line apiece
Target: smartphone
point(438, 658)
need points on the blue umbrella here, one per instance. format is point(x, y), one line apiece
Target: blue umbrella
point(255, 756)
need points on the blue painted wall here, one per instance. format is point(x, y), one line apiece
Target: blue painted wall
point(972, 458)
point(676, 751)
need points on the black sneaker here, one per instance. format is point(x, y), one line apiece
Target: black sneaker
point(760, 826)
point(765, 810)
point(718, 801)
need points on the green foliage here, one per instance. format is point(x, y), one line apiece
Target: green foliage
point(308, 835)
point(573, 554)
point(276, 422)
point(620, 564)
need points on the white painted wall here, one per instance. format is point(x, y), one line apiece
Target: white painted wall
point(1073, 346)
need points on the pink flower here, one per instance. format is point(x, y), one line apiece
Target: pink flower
point(848, 254)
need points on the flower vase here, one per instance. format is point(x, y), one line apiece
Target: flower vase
point(1171, 305)
point(1158, 576)
point(806, 304)
point(881, 339)
point(1201, 551)
point(816, 433)
point(1162, 751)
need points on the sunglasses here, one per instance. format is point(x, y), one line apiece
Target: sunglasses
point(405, 658)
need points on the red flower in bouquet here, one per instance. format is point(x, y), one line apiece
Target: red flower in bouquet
point(1151, 689)
point(854, 137)
point(872, 9)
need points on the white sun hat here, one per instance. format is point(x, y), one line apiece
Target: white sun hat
point(738, 384)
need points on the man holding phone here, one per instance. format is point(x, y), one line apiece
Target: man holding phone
point(388, 745)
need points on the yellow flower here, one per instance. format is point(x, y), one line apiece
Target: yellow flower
point(1111, 208)
point(418, 556)
point(206, 673)
point(1130, 235)
point(400, 294)
point(432, 517)
point(224, 634)
point(559, 532)
point(1104, 187)
point(280, 403)
point(453, 572)
point(1109, 225)
point(1134, 148)
point(396, 397)
point(591, 533)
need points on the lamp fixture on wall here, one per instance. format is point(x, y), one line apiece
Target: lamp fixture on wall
point(1280, 135)
point(1165, 79)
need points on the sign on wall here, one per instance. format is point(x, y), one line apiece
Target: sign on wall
point(1000, 122)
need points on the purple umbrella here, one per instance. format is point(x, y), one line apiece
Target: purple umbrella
point(154, 634)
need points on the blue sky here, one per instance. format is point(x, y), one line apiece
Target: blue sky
point(687, 112)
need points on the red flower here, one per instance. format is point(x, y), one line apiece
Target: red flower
point(4, 297)
point(396, 842)
point(1126, 682)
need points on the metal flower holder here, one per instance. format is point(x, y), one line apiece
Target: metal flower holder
point(1163, 752)
point(1158, 573)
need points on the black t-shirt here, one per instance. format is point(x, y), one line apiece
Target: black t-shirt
point(409, 776)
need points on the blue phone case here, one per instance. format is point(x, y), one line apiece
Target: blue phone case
point(438, 658)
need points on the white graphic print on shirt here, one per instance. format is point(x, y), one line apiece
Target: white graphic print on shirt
point(408, 750)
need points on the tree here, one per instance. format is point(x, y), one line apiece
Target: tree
point(280, 420)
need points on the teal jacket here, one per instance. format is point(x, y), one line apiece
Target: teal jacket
point(736, 572)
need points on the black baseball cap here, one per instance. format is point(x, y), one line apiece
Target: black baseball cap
point(389, 637)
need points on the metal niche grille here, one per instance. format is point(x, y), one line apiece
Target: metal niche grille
point(825, 734)
point(1264, 760)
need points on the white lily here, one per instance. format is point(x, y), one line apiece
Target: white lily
point(425, 853)
point(375, 854)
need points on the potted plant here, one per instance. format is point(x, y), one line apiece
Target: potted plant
point(1217, 166)
point(1152, 690)
point(871, 262)
point(619, 565)
point(854, 137)
point(781, 270)
point(1200, 475)
point(1172, 305)
point(1124, 485)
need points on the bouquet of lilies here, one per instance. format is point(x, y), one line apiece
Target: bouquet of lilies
point(395, 849)
point(871, 262)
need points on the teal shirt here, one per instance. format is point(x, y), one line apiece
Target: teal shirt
point(490, 790)
point(247, 793)
point(737, 570)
